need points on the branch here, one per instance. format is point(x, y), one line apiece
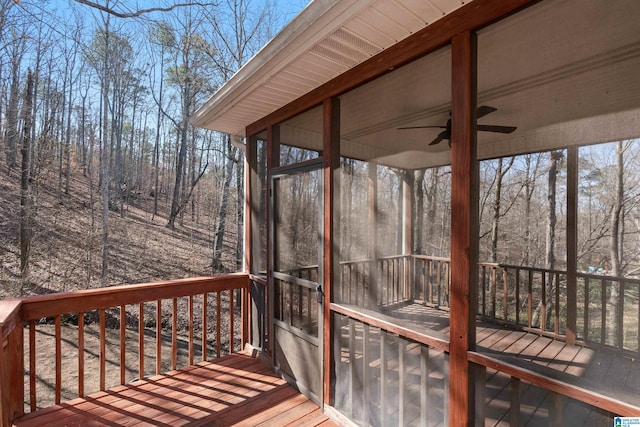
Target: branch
point(139, 12)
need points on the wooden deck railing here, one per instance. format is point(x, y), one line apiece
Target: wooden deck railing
point(360, 277)
point(210, 291)
point(529, 298)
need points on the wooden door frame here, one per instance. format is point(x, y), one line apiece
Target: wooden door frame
point(315, 165)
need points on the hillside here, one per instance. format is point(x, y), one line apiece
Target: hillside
point(67, 243)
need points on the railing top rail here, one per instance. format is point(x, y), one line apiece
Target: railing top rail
point(429, 257)
point(610, 278)
point(521, 267)
point(40, 306)
point(563, 384)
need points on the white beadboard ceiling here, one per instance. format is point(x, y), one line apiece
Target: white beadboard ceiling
point(326, 39)
point(564, 72)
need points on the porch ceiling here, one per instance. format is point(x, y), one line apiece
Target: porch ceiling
point(576, 84)
point(326, 39)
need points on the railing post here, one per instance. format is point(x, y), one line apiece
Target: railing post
point(11, 362)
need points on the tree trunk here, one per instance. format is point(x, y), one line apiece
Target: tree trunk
point(550, 257)
point(175, 200)
point(25, 186)
point(11, 133)
point(496, 212)
point(105, 159)
point(615, 247)
point(217, 263)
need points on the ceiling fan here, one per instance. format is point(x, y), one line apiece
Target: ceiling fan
point(483, 110)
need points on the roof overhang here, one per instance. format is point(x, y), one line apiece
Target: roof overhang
point(326, 39)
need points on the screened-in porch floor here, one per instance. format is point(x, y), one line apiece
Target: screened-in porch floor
point(603, 370)
point(235, 390)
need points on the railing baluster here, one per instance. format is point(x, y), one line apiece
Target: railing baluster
point(232, 319)
point(191, 347)
point(141, 341)
point(517, 305)
point(158, 337)
point(58, 339)
point(514, 412)
point(530, 299)
point(603, 311)
point(174, 335)
point(557, 308)
point(102, 349)
point(32, 365)
point(505, 305)
point(439, 283)
point(484, 290)
point(123, 343)
point(430, 282)
point(218, 304)
point(543, 311)
point(493, 291)
point(586, 309)
point(81, 354)
point(204, 327)
point(620, 314)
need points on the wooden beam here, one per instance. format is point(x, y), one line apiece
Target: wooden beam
point(472, 16)
point(572, 245)
point(251, 206)
point(273, 161)
point(408, 181)
point(331, 169)
point(464, 235)
point(374, 291)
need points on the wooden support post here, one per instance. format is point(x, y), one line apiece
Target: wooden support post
point(464, 235)
point(331, 271)
point(374, 291)
point(408, 181)
point(251, 218)
point(273, 161)
point(572, 245)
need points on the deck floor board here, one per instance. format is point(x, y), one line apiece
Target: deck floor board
point(234, 390)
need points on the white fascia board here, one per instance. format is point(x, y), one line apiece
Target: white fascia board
point(319, 19)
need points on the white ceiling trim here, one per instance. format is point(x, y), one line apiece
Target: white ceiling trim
point(326, 39)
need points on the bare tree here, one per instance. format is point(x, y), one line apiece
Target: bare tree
point(25, 187)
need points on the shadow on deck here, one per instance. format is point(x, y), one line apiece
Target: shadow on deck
point(234, 390)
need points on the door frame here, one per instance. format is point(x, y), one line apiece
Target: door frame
point(314, 165)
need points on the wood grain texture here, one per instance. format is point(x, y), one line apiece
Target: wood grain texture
point(464, 236)
point(51, 305)
point(234, 390)
point(331, 270)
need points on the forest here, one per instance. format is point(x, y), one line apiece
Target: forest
point(104, 180)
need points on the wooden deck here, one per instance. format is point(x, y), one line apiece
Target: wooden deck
point(235, 390)
point(604, 370)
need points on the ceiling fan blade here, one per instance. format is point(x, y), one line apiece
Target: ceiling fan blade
point(483, 110)
point(437, 140)
point(422, 127)
point(497, 129)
